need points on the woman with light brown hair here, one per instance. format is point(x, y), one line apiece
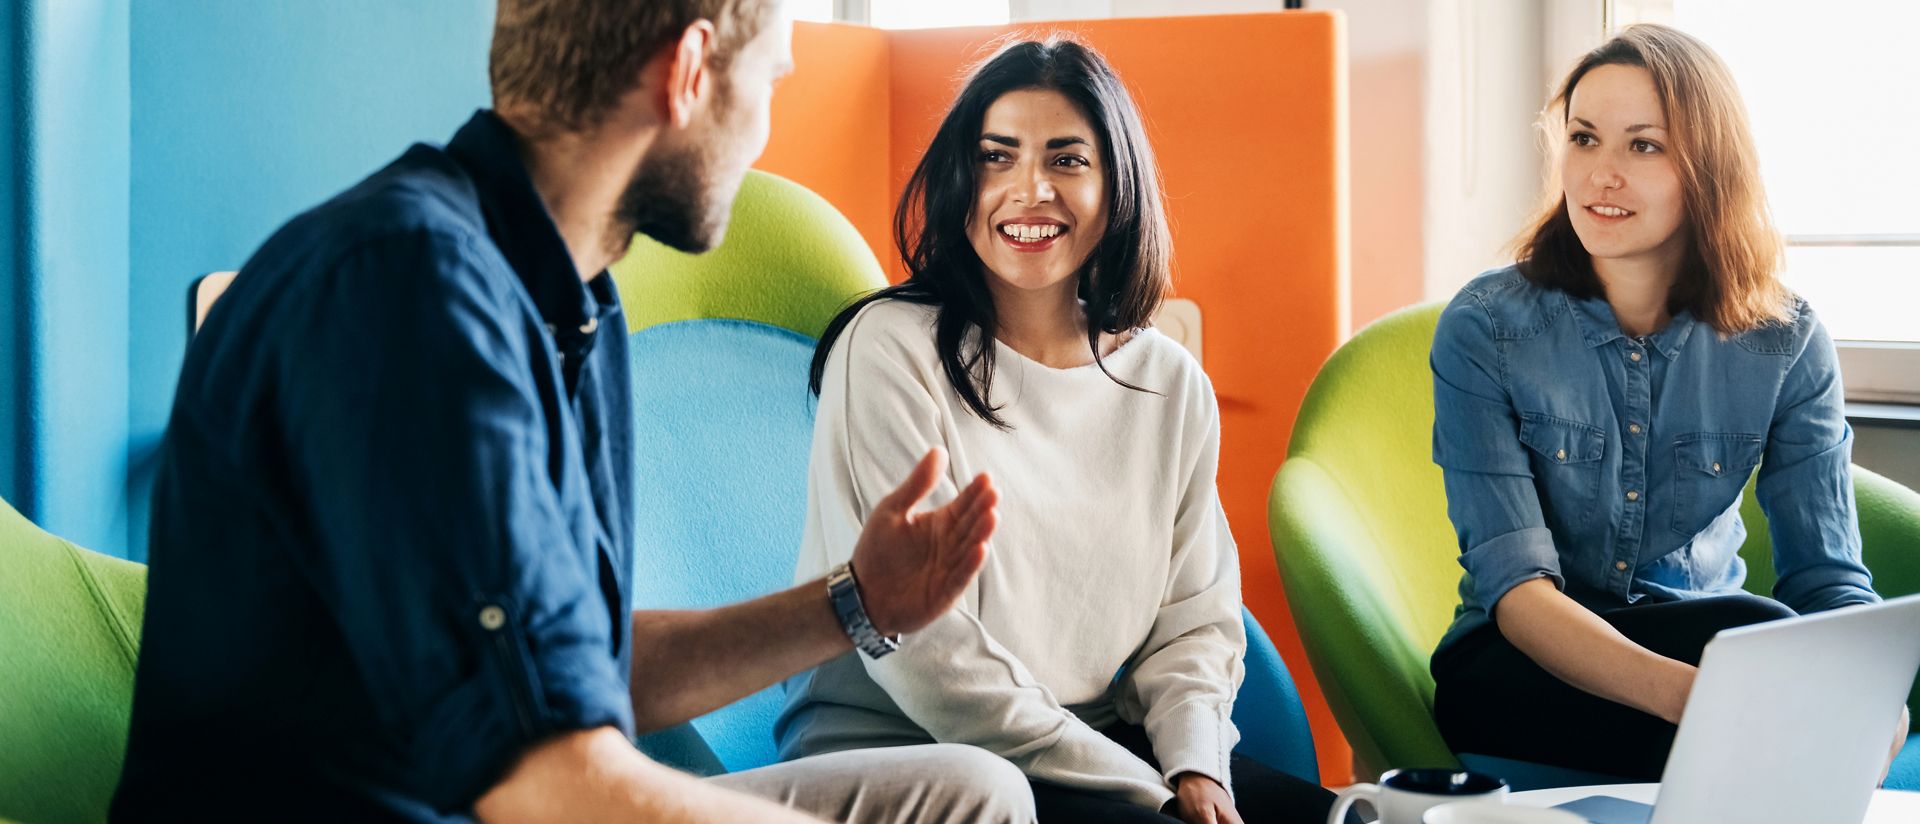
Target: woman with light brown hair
point(1600, 405)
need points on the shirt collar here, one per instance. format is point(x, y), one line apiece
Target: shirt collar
point(1598, 326)
point(521, 227)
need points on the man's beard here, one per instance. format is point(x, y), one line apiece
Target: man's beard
point(672, 200)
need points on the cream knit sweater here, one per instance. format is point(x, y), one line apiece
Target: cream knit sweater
point(1112, 556)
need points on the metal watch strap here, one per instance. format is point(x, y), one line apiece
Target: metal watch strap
point(844, 593)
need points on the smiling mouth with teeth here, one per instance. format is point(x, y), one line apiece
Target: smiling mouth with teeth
point(1608, 211)
point(1031, 232)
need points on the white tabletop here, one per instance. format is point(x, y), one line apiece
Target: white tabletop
point(1888, 807)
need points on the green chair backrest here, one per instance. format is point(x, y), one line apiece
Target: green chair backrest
point(1367, 554)
point(1889, 541)
point(69, 636)
point(790, 260)
point(1360, 531)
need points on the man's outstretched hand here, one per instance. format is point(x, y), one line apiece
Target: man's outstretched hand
point(912, 566)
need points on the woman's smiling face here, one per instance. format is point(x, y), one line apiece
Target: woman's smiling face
point(1623, 192)
point(1041, 207)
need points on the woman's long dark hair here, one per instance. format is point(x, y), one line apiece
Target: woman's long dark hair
point(1122, 281)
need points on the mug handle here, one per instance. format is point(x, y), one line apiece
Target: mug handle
point(1369, 793)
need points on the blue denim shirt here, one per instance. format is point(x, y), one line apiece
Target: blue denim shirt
point(1614, 465)
point(391, 528)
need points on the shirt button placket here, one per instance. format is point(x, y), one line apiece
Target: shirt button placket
point(1633, 467)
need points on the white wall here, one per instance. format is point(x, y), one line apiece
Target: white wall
point(1480, 154)
point(1388, 54)
point(1494, 64)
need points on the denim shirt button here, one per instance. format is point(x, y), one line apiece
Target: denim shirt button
point(492, 618)
point(1634, 428)
point(1633, 495)
point(1620, 565)
point(1634, 356)
point(1560, 456)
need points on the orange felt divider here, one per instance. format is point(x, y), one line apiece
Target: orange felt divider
point(1248, 117)
point(832, 126)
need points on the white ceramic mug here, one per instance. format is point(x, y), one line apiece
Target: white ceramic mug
point(1404, 796)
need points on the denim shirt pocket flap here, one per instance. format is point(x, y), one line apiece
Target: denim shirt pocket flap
point(1561, 441)
point(1717, 454)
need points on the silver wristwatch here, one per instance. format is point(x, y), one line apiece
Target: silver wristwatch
point(844, 593)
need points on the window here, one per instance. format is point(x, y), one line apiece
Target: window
point(812, 11)
point(1828, 89)
point(923, 14)
point(906, 14)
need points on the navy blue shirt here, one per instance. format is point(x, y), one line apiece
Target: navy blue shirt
point(391, 525)
point(1613, 465)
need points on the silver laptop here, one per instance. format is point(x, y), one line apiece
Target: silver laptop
point(1790, 721)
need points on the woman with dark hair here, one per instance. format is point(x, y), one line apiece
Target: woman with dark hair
point(1599, 407)
point(1100, 650)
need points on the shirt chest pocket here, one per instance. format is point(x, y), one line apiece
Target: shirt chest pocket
point(1565, 456)
point(1709, 470)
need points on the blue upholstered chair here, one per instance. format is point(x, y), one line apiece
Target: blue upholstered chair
point(721, 344)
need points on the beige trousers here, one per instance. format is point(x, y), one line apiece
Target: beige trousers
point(924, 784)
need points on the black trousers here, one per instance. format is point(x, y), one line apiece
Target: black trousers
point(1491, 699)
point(1261, 794)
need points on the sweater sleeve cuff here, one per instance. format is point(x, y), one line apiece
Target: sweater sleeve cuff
point(1195, 737)
point(1088, 761)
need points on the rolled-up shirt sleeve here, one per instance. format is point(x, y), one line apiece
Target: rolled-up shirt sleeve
point(1491, 499)
point(1805, 486)
point(420, 440)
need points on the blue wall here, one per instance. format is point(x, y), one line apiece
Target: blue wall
point(65, 342)
point(245, 113)
point(147, 143)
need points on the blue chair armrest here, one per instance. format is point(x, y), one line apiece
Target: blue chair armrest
point(1272, 721)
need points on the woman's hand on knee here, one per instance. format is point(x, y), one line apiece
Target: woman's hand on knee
point(1198, 799)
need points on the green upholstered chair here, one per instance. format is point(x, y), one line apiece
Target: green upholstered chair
point(789, 261)
point(69, 635)
point(1360, 530)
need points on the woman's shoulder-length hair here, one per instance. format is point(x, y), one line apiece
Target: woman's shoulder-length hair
point(1730, 276)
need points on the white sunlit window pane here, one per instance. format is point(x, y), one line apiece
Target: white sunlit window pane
point(927, 14)
point(1829, 93)
point(1861, 292)
point(815, 11)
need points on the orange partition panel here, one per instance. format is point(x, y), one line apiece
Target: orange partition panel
point(1247, 114)
point(832, 125)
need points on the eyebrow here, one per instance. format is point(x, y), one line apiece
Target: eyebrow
point(1014, 142)
point(1633, 129)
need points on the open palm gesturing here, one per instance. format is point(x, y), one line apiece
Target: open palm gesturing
point(912, 566)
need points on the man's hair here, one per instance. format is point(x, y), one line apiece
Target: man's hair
point(570, 61)
point(1730, 276)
